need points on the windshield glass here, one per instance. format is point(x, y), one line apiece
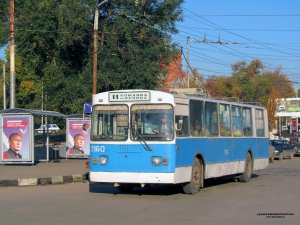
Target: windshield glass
point(109, 123)
point(152, 122)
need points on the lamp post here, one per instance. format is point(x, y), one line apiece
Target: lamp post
point(95, 55)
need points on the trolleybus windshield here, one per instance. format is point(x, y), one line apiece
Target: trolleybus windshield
point(152, 122)
point(109, 123)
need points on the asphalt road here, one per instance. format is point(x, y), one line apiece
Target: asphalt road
point(274, 190)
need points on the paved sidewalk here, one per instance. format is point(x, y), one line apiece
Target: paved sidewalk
point(43, 173)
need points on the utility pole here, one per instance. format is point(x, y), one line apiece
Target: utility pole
point(200, 41)
point(12, 53)
point(188, 58)
point(95, 56)
point(4, 88)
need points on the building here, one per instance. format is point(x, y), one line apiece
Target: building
point(288, 113)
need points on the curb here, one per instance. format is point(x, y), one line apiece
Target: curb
point(44, 181)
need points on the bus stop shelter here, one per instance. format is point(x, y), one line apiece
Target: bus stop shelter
point(19, 123)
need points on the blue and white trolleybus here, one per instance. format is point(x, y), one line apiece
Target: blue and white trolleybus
point(142, 137)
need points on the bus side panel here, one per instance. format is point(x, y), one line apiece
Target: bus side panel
point(223, 156)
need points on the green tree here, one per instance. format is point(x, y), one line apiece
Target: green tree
point(52, 39)
point(4, 23)
point(245, 76)
point(54, 48)
point(134, 41)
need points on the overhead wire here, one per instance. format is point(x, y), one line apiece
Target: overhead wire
point(251, 42)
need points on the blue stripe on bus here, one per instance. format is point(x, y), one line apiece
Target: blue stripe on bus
point(220, 150)
point(135, 158)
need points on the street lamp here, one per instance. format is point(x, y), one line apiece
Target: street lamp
point(94, 90)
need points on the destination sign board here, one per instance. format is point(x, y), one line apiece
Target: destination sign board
point(129, 96)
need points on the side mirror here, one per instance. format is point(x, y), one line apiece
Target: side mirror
point(179, 125)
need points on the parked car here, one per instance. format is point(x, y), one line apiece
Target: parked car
point(271, 153)
point(297, 149)
point(283, 149)
point(53, 128)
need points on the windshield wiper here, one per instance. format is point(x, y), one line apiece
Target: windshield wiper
point(140, 139)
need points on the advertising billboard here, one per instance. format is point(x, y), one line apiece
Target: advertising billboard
point(16, 138)
point(78, 137)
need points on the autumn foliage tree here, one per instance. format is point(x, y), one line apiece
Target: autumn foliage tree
point(251, 82)
point(272, 105)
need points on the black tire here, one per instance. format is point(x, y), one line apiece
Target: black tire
point(246, 176)
point(126, 187)
point(196, 179)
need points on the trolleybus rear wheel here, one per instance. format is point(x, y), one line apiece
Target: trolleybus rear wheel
point(196, 179)
point(245, 177)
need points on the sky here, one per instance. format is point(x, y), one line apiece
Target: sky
point(268, 30)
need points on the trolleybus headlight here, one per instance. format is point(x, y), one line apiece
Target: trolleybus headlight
point(103, 160)
point(156, 160)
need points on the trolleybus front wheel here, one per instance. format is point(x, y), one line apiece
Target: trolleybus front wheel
point(245, 177)
point(196, 179)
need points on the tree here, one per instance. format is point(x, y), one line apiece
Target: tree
point(4, 24)
point(250, 83)
point(54, 48)
point(134, 41)
point(273, 103)
point(214, 84)
point(52, 39)
point(245, 76)
point(281, 82)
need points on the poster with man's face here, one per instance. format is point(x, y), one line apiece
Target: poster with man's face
point(15, 139)
point(78, 137)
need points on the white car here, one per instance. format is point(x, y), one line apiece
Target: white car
point(53, 128)
point(281, 108)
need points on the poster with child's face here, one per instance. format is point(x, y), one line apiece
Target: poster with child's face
point(16, 139)
point(78, 137)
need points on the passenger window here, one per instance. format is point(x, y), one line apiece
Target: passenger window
point(211, 118)
point(197, 118)
point(236, 121)
point(259, 123)
point(224, 118)
point(247, 122)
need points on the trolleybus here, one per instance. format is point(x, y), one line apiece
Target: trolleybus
point(143, 137)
